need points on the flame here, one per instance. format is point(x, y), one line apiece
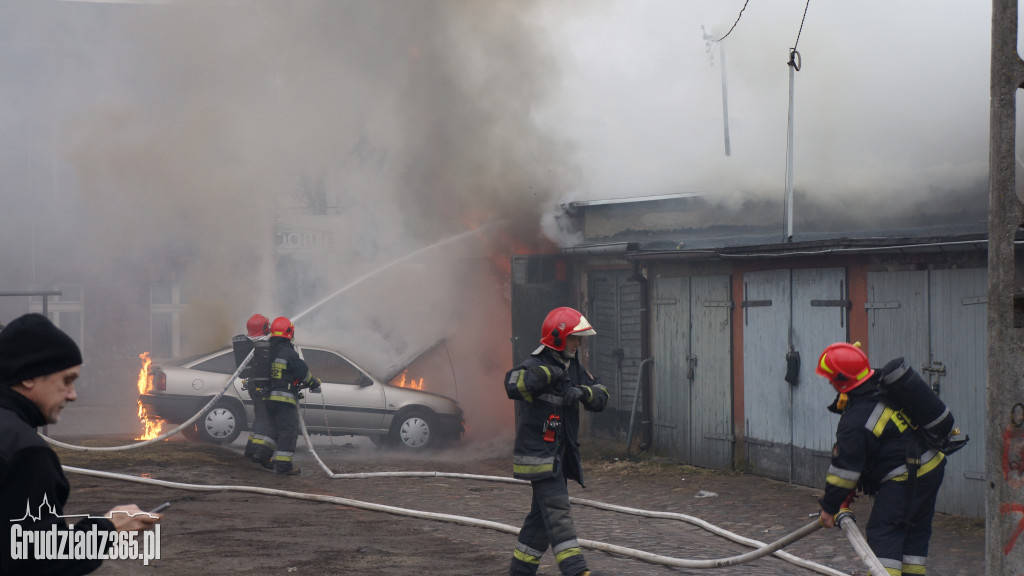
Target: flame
point(412, 383)
point(151, 427)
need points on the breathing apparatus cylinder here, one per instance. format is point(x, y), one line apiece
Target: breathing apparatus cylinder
point(928, 413)
point(242, 345)
point(259, 368)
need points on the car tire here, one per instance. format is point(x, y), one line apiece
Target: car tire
point(414, 430)
point(222, 424)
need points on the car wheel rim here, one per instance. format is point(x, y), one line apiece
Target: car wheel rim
point(220, 423)
point(415, 432)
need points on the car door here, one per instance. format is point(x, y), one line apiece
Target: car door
point(349, 401)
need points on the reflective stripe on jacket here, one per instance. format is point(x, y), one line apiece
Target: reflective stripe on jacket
point(538, 386)
point(288, 372)
point(872, 439)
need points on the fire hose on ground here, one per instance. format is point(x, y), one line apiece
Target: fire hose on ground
point(475, 522)
point(761, 550)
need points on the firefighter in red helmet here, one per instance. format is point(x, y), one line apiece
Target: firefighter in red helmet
point(548, 388)
point(288, 376)
point(877, 451)
point(262, 436)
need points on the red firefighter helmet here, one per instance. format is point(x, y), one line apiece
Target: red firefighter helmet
point(258, 325)
point(845, 365)
point(560, 323)
point(282, 327)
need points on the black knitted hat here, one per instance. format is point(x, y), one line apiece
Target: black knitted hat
point(32, 346)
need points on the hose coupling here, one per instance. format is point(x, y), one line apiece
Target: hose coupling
point(844, 513)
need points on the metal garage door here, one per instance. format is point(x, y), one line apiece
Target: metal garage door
point(789, 433)
point(937, 320)
point(692, 332)
point(614, 311)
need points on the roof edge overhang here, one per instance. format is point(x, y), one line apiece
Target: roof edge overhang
point(851, 246)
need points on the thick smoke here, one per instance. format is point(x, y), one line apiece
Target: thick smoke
point(890, 103)
point(191, 133)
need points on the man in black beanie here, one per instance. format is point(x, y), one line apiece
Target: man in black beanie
point(38, 367)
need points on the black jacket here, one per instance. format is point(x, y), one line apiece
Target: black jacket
point(872, 441)
point(538, 385)
point(29, 472)
point(288, 372)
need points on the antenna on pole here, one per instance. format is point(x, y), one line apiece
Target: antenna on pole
point(708, 40)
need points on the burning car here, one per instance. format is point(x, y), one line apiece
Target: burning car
point(350, 403)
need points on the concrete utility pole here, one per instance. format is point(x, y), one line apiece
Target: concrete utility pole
point(1004, 434)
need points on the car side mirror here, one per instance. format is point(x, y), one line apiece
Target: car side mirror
point(363, 380)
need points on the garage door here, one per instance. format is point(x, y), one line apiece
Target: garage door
point(789, 433)
point(692, 332)
point(936, 319)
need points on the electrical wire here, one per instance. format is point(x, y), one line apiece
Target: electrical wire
point(800, 31)
point(738, 16)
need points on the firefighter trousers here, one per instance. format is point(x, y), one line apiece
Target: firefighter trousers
point(548, 524)
point(284, 417)
point(263, 437)
point(902, 546)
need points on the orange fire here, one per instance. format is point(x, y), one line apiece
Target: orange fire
point(412, 383)
point(151, 427)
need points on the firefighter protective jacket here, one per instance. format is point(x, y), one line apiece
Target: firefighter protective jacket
point(872, 441)
point(546, 428)
point(288, 372)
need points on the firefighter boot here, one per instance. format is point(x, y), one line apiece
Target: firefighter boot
point(263, 456)
point(289, 471)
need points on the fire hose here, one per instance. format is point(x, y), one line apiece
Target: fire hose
point(762, 549)
point(165, 435)
point(615, 508)
point(845, 520)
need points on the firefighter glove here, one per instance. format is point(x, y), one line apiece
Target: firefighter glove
point(573, 395)
point(314, 385)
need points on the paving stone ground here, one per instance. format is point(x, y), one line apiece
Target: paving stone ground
point(252, 534)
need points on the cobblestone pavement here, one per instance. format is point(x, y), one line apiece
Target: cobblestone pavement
point(209, 531)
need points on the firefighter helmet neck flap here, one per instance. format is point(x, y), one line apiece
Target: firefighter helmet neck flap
point(282, 327)
point(560, 323)
point(845, 366)
point(258, 325)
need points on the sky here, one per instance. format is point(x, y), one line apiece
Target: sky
point(141, 140)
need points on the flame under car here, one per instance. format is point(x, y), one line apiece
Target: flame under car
point(350, 402)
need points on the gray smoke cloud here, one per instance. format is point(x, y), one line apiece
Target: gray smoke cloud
point(171, 141)
point(890, 104)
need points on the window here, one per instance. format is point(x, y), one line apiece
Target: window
point(64, 310)
point(223, 363)
point(329, 367)
point(165, 306)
